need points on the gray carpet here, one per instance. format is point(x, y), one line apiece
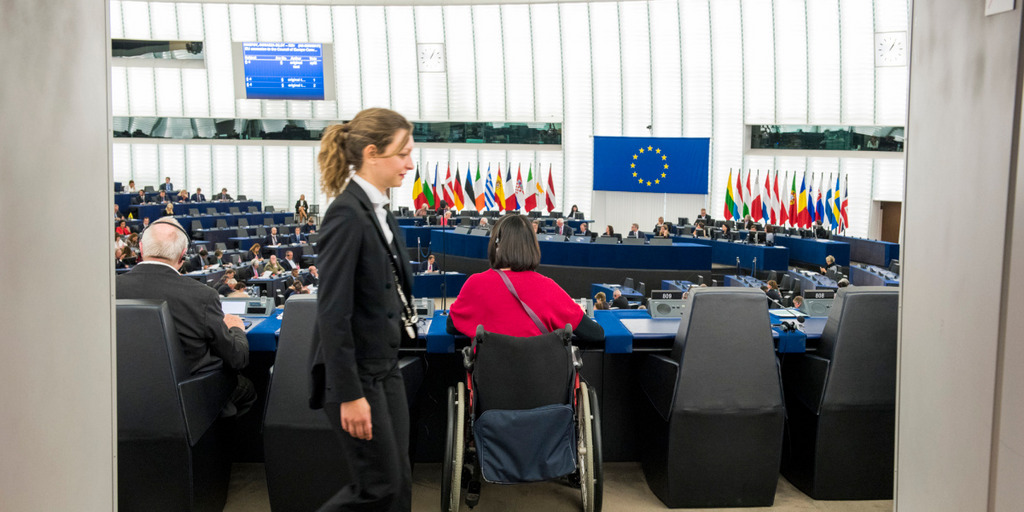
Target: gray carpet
point(625, 489)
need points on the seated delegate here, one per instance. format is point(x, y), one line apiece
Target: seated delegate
point(486, 300)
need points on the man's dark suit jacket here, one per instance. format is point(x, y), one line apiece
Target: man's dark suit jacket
point(774, 294)
point(223, 197)
point(309, 279)
point(633, 234)
point(288, 266)
point(198, 318)
point(589, 233)
point(169, 187)
point(621, 302)
point(703, 219)
point(566, 230)
point(198, 198)
point(138, 200)
point(269, 240)
point(358, 327)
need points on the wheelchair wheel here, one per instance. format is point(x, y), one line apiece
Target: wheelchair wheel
point(451, 477)
point(595, 429)
point(585, 450)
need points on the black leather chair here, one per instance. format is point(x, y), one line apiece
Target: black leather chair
point(173, 453)
point(304, 462)
point(714, 433)
point(841, 401)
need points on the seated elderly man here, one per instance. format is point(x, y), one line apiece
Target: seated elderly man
point(273, 266)
point(561, 228)
point(209, 338)
point(619, 300)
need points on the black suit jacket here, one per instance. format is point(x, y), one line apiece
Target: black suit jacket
point(169, 187)
point(138, 200)
point(621, 302)
point(774, 294)
point(359, 324)
point(303, 204)
point(566, 230)
point(289, 266)
point(198, 198)
point(269, 240)
point(198, 318)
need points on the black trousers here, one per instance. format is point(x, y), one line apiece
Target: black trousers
point(380, 467)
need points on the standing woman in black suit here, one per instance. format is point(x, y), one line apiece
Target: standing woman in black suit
point(363, 309)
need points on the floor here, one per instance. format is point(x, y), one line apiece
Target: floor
point(625, 489)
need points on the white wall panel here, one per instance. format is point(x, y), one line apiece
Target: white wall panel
point(636, 69)
point(461, 69)
point(145, 165)
point(823, 54)
point(136, 20)
point(606, 61)
point(490, 65)
point(518, 47)
point(171, 158)
point(758, 61)
point(695, 29)
point(141, 92)
point(373, 57)
point(858, 65)
point(791, 61)
point(121, 164)
point(666, 69)
point(164, 20)
point(578, 127)
point(190, 21)
point(348, 83)
point(547, 62)
point(402, 50)
point(168, 92)
point(218, 59)
point(226, 169)
point(116, 20)
point(727, 137)
point(119, 91)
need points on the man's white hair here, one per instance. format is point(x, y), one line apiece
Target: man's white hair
point(165, 243)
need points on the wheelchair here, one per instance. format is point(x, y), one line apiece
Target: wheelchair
point(523, 415)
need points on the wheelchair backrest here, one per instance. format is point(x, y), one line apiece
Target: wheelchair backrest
point(513, 373)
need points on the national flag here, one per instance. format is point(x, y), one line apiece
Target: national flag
point(766, 205)
point(730, 204)
point(532, 190)
point(511, 204)
point(499, 190)
point(756, 203)
point(549, 196)
point(812, 211)
point(447, 187)
point(801, 203)
point(830, 216)
point(428, 191)
point(834, 204)
point(844, 218)
point(776, 217)
point(457, 194)
point(783, 199)
point(520, 191)
point(470, 194)
point(490, 201)
point(418, 199)
point(819, 205)
point(794, 218)
point(738, 212)
point(481, 190)
point(433, 190)
point(747, 197)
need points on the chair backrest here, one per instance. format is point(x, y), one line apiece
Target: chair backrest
point(193, 212)
point(642, 289)
point(634, 241)
point(233, 209)
point(627, 282)
point(513, 373)
point(147, 372)
point(222, 223)
point(196, 226)
point(611, 240)
point(285, 403)
point(268, 221)
point(661, 241)
point(787, 282)
point(253, 209)
point(725, 363)
point(313, 238)
point(242, 197)
point(241, 232)
point(860, 341)
point(261, 231)
point(268, 209)
point(243, 222)
point(220, 246)
point(211, 211)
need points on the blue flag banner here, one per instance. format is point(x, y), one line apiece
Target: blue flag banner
point(673, 165)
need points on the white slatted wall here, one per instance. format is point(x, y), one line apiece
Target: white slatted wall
point(689, 67)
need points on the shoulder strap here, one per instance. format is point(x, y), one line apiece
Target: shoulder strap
point(533, 316)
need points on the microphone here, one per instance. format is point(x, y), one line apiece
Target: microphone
point(753, 268)
point(800, 316)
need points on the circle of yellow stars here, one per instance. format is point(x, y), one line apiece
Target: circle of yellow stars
point(649, 150)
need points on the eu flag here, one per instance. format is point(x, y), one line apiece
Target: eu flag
point(673, 165)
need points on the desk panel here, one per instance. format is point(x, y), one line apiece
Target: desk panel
point(874, 252)
point(727, 253)
point(812, 251)
point(429, 285)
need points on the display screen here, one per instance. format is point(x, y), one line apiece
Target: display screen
point(283, 71)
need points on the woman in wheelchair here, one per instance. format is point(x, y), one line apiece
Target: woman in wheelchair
point(486, 300)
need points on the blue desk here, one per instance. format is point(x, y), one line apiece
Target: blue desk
point(812, 251)
point(153, 211)
point(429, 285)
point(263, 334)
point(872, 276)
point(813, 281)
point(630, 294)
point(682, 286)
point(726, 253)
point(874, 252)
point(744, 281)
point(672, 257)
point(422, 234)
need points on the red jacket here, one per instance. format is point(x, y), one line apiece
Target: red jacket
point(485, 300)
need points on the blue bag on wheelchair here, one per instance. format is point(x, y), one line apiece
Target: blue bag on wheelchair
point(527, 445)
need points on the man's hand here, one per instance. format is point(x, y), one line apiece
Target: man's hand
point(233, 321)
point(355, 419)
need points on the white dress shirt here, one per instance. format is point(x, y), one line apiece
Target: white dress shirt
point(379, 200)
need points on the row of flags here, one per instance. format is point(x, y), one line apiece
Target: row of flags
point(788, 206)
point(484, 192)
